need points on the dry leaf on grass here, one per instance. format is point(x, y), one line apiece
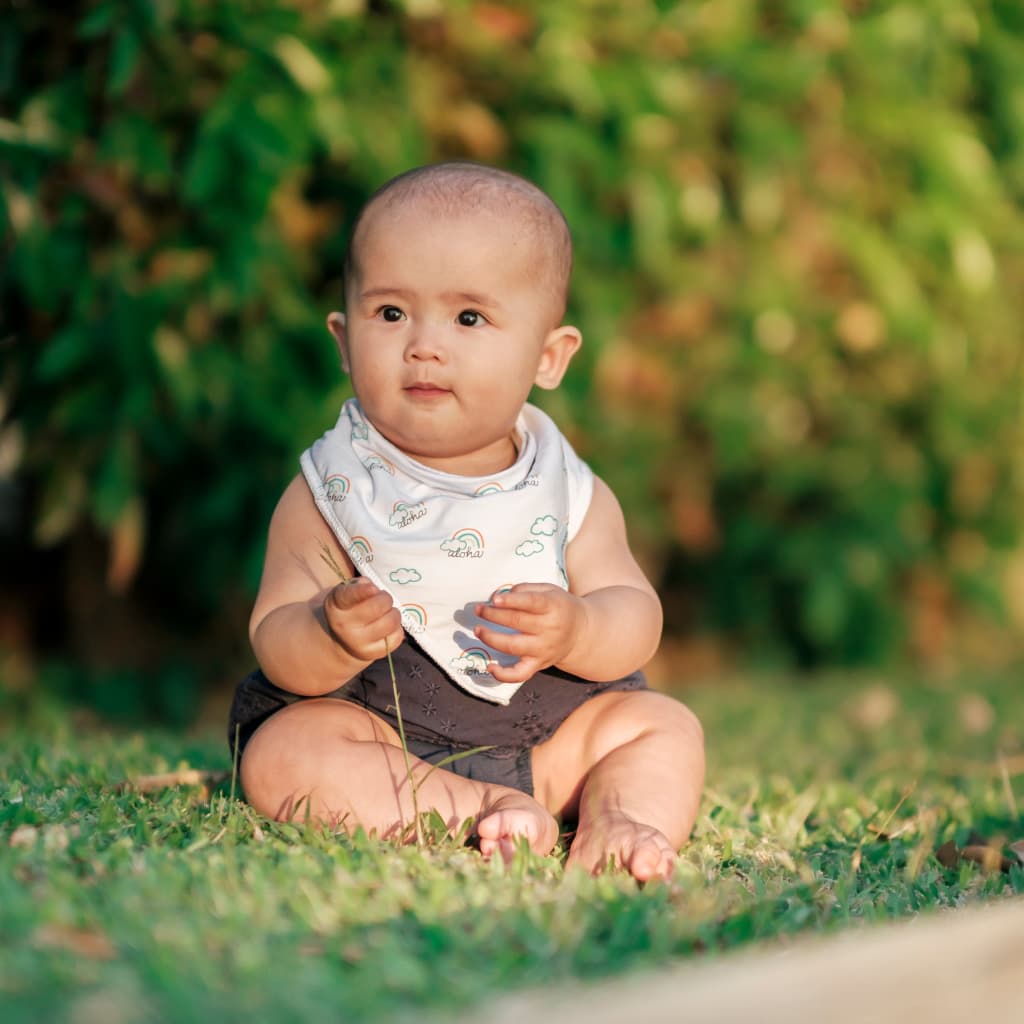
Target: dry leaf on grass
point(977, 851)
point(206, 781)
point(976, 714)
point(874, 708)
point(23, 837)
point(88, 942)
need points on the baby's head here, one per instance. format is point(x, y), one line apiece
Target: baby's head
point(455, 288)
point(463, 190)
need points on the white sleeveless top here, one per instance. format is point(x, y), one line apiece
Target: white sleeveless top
point(440, 543)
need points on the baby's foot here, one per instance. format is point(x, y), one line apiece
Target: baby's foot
point(617, 840)
point(504, 821)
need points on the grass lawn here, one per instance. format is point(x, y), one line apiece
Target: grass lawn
point(825, 805)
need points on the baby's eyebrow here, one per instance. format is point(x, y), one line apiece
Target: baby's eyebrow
point(473, 298)
point(374, 293)
point(470, 298)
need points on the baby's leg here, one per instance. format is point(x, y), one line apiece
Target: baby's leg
point(630, 767)
point(338, 763)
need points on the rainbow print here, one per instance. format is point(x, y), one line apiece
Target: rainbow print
point(473, 539)
point(464, 543)
point(414, 618)
point(473, 662)
point(360, 550)
point(373, 462)
point(491, 487)
point(337, 487)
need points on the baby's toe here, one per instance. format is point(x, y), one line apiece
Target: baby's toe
point(514, 818)
point(504, 846)
point(498, 831)
point(651, 860)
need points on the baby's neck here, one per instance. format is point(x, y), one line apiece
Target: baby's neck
point(492, 459)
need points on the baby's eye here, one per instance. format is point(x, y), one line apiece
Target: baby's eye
point(391, 314)
point(470, 318)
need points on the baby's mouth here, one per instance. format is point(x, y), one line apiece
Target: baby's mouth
point(425, 389)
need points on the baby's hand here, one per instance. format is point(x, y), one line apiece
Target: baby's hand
point(361, 618)
point(549, 621)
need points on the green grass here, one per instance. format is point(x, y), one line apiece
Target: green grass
point(180, 906)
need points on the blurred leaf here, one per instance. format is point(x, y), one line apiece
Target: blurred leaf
point(64, 353)
point(97, 21)
point(116, 482)
point(124, 57)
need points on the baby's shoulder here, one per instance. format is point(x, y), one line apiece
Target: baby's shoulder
point(296, 508)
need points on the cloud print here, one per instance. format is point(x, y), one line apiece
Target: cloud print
point(402, 515)
point(545, 526)
point(529, 547)
point(405, 576)
point(467, 663)
point(454, 544)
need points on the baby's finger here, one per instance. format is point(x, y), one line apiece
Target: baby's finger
point(507, 643)
point(392, 641)
point(375, 639)
point(524, 600)
point(386, 620)
point(390, 627)
point(348, 595)
point(377, 607)
point(512, 618)
point(523, 669)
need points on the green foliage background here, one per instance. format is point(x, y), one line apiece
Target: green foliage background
point(800, 277)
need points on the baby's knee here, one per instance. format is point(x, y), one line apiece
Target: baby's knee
point(646, 713)
point(301, 761)
point(264, 779)
point(280, 764)
point(651, 711)
point(685, 723)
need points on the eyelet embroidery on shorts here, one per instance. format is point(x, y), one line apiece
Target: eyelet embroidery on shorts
point(531, 725)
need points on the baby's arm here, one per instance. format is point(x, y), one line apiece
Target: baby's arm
point(310, 632)
point(605, 626)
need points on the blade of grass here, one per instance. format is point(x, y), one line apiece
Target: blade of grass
point(328, 556)
point(234, 761)
point(413, 785)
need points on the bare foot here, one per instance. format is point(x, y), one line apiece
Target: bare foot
point(615, 839)
point(503, 822)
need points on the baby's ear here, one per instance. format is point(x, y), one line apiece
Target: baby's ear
point(559, 347)
point(336, 325)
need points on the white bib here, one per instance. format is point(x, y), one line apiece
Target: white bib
point(440, 543)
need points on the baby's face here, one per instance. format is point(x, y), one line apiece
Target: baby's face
point(448, 327)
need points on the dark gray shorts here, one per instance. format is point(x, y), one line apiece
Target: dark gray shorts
point(440, 718)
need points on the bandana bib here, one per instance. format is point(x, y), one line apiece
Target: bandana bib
point(439, 543)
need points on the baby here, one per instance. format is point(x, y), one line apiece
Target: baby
point(485, 557)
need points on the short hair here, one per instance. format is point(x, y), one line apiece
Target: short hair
point(461, 186)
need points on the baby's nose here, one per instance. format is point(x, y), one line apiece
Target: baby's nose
point(426, 341)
